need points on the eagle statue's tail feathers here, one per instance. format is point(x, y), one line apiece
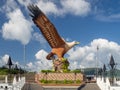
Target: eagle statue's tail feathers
point(35, 11)
point(50, 56)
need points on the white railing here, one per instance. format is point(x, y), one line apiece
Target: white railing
point(15, 85)
point(105, 85)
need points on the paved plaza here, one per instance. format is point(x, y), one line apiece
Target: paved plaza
point(35, 86)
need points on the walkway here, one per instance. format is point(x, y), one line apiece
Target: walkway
point(34, 86)
point(89, 86)
point(60, 87)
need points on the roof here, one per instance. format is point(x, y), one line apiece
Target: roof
point(9, 63)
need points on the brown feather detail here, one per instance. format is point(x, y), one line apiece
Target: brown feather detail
point(49, 31)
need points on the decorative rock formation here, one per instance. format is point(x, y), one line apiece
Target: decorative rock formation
point(60, 65)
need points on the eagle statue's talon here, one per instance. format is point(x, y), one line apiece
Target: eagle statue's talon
point(50, 56)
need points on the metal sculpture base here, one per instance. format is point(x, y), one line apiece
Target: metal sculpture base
point(60, 65)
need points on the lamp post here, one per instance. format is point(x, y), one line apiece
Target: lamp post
point(24, 57)
point(97, 62)
point(104, 72)
point(100, 72)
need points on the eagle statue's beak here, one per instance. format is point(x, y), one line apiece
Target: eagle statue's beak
point(77, 43)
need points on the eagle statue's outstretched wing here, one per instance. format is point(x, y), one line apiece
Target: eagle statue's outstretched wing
point(47, 28)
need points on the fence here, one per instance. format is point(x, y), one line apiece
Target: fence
point(15, 85)
point(59, 76)
point(104, 84)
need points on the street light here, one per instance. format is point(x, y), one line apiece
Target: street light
point(104, 72)
point(97, 62)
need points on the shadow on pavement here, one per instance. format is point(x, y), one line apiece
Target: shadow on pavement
point(82, 86)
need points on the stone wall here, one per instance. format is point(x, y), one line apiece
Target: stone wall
point(59, 76)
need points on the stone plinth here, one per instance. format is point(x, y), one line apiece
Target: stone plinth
point(59, 76)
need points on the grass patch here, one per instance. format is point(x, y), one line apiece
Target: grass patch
point(43, 81)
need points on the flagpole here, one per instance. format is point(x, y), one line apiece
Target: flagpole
point(97, 62)
point(24, 57)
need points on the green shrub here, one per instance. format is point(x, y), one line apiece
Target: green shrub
point(78, 81)
point(76, 71)
point(59, 81)
point(68, 81)
point(46, 71)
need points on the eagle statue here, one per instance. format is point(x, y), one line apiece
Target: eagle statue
point(59, 46)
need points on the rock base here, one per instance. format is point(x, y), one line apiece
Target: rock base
point(60, 65)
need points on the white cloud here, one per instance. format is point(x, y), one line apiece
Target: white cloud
point(101, 13)
point(25, 2)
point(38, 37)
point(41, 63)
point(41, 55)
point(30, 64)
point(108, 18)
point(9, 6)
point(80, 57)
point(73, 7)
point(48, 7)
point(17, 28)
point(90, 57)
point(62, 7)
point(74, 65)
point(86, 56)
point(76, 7)
point(3, 60)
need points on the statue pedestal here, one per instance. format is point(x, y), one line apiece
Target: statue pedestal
point(60, 65)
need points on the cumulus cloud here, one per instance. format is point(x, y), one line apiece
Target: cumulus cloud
point(40, 54)
point(20, 28)
point(83, 57)
point(76, 7)
point(9, 6)
point(88, 55)
point(38, 37)
point(25, 2)
point(62, 7)
point(79, 57)
point(47, 7)
point(73, 7)
point(42, 63)
point(3, 60)
point(41, 57)
point(108, 18)
point(17, 28)
point(103, 13)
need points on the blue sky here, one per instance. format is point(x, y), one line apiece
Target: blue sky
point(91, 22)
